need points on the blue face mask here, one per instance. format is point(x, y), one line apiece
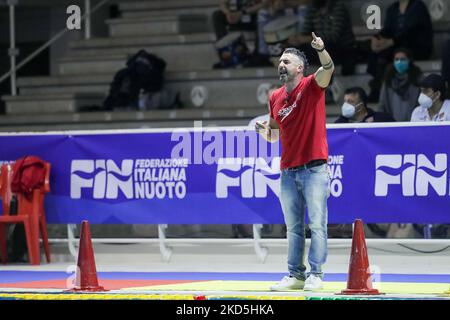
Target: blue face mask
point(401, 66)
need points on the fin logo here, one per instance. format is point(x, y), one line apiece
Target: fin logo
point(414, 173)
point(104, 177)
point(252, 175)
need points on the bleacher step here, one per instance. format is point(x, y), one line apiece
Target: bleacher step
point(186, 39)
point(51, 104)
point(165, 4)
point(161, 25)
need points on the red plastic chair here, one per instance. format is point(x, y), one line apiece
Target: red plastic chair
point(29, 212)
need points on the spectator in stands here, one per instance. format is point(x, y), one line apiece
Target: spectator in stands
point(400, 89)
point(330, 20)
point(355, 109)
point(407, 24)
point(235, 15)
point(446, 63)
point(432, 103)
point(433, 107)
point(272, 10)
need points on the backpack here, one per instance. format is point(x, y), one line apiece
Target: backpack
point(143, 71)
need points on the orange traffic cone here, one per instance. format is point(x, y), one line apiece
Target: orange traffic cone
point(86, 274)
point(359, 280)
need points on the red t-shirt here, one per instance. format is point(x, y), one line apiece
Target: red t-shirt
point(302, 121)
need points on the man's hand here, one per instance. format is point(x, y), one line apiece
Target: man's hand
point(268, 130)
point(262, 127)
point(380, 44)
point(325, 72)
point(317, 42)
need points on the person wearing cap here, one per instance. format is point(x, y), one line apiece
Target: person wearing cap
point(355, 109)
point(432, 103)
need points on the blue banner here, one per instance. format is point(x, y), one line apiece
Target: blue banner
point(230, 175)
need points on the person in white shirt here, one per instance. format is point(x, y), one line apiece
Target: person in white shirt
point(432, 107)
point(432, 103)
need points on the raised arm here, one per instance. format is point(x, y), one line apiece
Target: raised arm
point(325, 72)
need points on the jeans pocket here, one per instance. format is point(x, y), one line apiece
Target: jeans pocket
point(319, 169)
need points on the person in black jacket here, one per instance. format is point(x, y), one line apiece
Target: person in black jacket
point(355, 109)
point(407, 25)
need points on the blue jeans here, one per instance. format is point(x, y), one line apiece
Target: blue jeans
point(301, 189)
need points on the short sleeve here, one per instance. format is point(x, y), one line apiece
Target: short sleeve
point(270, 105)
point(314, 85)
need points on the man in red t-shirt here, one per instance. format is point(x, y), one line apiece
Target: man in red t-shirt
point(297, 115)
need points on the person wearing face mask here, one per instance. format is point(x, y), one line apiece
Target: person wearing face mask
point(432, 107)
point(407, 24)
point(355, 109)
point(432, 103)
point(400, 88)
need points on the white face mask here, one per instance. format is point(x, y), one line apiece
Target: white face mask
point(425, 101)
point(348, 110)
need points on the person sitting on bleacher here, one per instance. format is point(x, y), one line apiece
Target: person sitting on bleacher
point(433, 107)
point(330, 20)
point(400, 89)
point(355, 109)
point(407, 24)
point(432, 103)
point(272, 10)
point(235, 15)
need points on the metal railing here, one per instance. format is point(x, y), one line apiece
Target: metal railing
point(13, 51)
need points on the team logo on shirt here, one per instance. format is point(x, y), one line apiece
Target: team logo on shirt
point(285, 112)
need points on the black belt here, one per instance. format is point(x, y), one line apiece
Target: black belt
point(311, 164)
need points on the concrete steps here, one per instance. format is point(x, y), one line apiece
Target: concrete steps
point(159, 5)
point(50, 104)
point(246, 85)
point(177, 56)
point(91, 65)
point(173, 118)
point(208, 89)
point(100, 43)
point(110, 54)
point(179, 118)
point(158, 25)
